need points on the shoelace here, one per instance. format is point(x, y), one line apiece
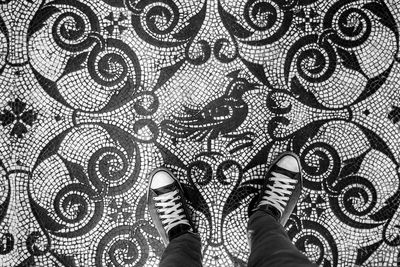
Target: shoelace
point(170, 210)
point(277, 194)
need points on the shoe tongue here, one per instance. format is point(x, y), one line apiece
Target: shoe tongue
point(165, 189)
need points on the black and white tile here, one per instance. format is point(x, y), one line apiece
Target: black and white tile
point(95, 94)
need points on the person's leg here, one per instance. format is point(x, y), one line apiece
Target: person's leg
point(169, 212)
point(269, 243)
point(184, 250)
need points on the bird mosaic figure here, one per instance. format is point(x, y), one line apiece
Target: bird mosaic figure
point(221, 117)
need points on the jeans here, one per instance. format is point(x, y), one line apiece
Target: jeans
point(270, 246)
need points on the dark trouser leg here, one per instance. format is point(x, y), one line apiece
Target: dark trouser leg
point(183, 251)
point(270, 245)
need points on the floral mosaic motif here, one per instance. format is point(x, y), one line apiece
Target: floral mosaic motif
point(115, 23)
point(18, 118)
point(214, 90)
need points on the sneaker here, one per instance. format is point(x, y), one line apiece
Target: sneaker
point(167, 205)
point(282, 187)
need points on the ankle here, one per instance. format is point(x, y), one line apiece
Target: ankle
point(271, 211)
point(179, 230)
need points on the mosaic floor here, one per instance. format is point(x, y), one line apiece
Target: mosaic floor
point(95, 94)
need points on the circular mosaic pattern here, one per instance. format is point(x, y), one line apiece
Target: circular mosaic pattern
point(96, 94)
